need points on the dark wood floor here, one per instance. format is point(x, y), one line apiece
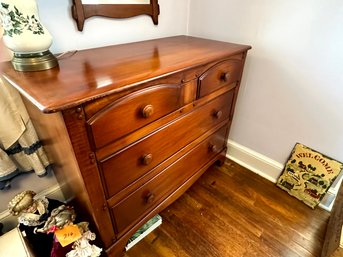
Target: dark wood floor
point(232, 212)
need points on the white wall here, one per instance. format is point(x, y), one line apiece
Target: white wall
point(293, 83)
point(99, 31)
point(56, 17)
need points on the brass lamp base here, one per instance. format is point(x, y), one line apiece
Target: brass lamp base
point(34, 62)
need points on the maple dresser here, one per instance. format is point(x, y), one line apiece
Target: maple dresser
point(131, 127)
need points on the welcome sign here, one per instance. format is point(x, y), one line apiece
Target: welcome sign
point(308, 175)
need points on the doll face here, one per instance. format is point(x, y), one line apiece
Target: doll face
point(32, 208)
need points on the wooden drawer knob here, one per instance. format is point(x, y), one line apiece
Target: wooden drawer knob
point(147, 111)
point(149, 198)
point(218, 114)
point(213, 148)
point(225, 76)
point(147, 158)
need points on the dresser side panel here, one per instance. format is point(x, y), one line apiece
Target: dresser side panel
point(92, 192)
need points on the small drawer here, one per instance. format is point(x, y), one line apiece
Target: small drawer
point(132, 112)
point(128, 165)
point(153, 192)
point(219, 75)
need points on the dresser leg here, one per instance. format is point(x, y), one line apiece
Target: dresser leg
point(221, 158)
point(118, 248)
point(116, 251)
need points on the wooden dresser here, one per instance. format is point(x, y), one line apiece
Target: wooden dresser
point(131, 127)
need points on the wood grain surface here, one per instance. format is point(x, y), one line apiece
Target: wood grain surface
point(334, 228)
point(232, 212)
point(89, 74)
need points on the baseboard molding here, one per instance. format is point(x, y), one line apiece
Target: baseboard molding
point(256, 162)
point(270, 169)
point(10, 221)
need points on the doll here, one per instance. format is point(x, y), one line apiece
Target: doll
point(32, 214)
point(59, 217)
point(82, 247)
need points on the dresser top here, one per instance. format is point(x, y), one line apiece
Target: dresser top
point(89, 74)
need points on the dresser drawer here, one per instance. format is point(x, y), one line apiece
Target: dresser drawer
point(219, 75)
point(133, 112)
point(153, 192)
point(132, 162)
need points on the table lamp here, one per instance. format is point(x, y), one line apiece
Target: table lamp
point(26, 36)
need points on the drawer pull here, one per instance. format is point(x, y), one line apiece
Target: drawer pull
point(147, 158)
point(225, 76)
point(150, 197)
point(213, 148)
point(218, 114)
point(147, 111)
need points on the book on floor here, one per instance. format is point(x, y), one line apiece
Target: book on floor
point(144, 231)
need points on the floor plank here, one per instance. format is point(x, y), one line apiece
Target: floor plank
point(232, 212)
point(338, 252)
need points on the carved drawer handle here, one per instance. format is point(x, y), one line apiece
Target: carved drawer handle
point(150, 197)
point(147, 158)
point(218, 114)
point(213, 148)
point(147, 111)
point(225, 76)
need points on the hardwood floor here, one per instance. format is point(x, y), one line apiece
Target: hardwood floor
point(232, 212)
point(337, 253)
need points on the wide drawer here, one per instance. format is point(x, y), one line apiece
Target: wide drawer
point(131, 163)
point(133, 112)
point(219, 75)
point(153, 192)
